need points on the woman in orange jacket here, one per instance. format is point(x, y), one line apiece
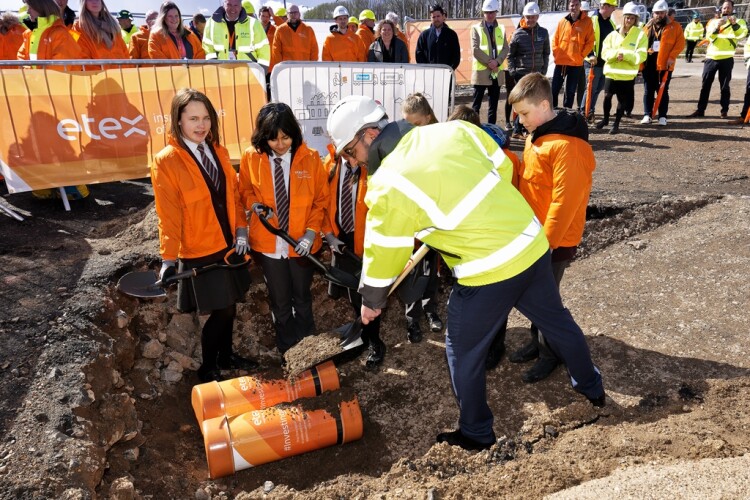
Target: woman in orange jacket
point(169, 39)
point(281, 172)
point(99, 35)
point(201, 219)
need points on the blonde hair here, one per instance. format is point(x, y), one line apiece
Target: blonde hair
point(418, 104)
point(534, 87)
point(101, 29)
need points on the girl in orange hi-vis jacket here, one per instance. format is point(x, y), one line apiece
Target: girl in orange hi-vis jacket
point(99, 35)
point(200, 220)
point(281, 172)
point(169, 39)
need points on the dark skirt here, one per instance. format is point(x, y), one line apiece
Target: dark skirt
point(214, 289)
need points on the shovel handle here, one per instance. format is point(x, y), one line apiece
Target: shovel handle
point(191, 273)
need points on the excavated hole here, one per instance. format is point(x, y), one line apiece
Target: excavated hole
point(157, 350)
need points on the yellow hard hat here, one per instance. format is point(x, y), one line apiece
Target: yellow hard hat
point(248, 6)
point(23, 9)
point(281, 12)
point(353, 20)
point(366, 14)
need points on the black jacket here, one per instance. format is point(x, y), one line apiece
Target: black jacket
point(400, 53)
point(444, 49)
point(529, 52)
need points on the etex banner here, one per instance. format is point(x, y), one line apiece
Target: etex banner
point(64, 129)
point(312, 89)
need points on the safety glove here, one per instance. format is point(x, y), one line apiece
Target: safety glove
point(305, 243)
point(336, 244)
point(241, 245)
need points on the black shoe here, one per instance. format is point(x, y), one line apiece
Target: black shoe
point(209, 375)
point(414, 332)
point(598, 402)
point(526, 353)
point(494, 356)
point(696, 114)
point(601, 124)
point(724, 115)
point(237, 362)
point(614, 130)
point(456, 438)
point(377, 354)
point(542, 369)
point(436, 324)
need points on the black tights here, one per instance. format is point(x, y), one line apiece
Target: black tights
point(625, 92)
point(216, 338)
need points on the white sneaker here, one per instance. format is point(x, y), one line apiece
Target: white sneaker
point(662, 121)
point(646, 120)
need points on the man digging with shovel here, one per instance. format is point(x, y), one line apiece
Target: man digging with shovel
point(462, 204)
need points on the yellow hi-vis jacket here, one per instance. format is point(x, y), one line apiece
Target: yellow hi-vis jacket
point(746, 53)
point(595, 22)
point(694, 31)
point(634, 50)
point(462, 204)
point(723, 38)
point(481, 51)
point(250, 40)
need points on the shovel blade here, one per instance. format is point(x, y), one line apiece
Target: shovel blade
point(342, 278)
point(353, 336)
point(141, 284)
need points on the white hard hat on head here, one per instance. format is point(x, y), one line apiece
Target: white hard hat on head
point(630, 8)
point(340, 11)
point(531, 9)
point(585, 6)
point(490, 6)
point(660, 6)
point(350, 115)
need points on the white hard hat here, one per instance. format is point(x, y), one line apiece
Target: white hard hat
point(490, 6)
point(350, 115)
point(531, 9)
point(630, 8)
point(585, 6)
point(340, 11)
point(660, 6)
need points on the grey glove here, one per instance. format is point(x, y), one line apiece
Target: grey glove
point(167, 269)
point(260, 212)
point(241, 245)
point(336, 244)
point(305, 243)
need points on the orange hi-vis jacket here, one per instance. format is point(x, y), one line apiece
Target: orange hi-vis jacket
point(572, 42)
point(270, 33)
point(56, 42)
point(558, 166)
point(671, 44)
point(366, 35)
point(291, 45)
point(330, 224)
point(161, 46)
point(95, 50)
point(138, 47)
point(10, 42)
point(308, 196)
point(188, 227)
point(344, 48)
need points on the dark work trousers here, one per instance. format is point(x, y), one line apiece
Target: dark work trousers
point(494, 97)
point(568, 74)
point(651, 83)
point(689, 48)
point(288, 282)
point(428, 267)
point(510, 82)
point(746, 104)
point(625, 92)
point(475, 313)
point(710, 68)
point(216, 337)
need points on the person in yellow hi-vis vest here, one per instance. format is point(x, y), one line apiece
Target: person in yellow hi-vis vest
point(232, 34)
point(694, 33)
point(723, 35)
point(463, 205)
point(127, 28)
point(489, 49)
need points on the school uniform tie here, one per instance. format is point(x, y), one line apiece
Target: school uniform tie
point(211, 169)
point(282, 198)
point(347, 206)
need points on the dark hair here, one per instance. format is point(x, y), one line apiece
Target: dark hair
point(45, 8)
point(199, 18)
point(265, 9)
point(437, 7)
point(182, 99)
point(161, 21)
point(273, 117)
point(466, 114)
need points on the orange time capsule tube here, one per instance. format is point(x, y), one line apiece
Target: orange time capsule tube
point(262, 436)
point(243, 394)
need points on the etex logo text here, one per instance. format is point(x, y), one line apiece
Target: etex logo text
point(105, 128)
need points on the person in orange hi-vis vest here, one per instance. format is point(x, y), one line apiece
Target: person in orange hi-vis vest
point(265, 20)
point(342, 45)
point(571, 43)
point(169, 39)
point(99, 35)
point(138, 47)
point(366, 29)
point(294, 40)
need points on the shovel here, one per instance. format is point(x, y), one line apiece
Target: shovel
point(589, 90)
point(660, 94)
point(332, 274)
point(147, 285)
point(353, 336)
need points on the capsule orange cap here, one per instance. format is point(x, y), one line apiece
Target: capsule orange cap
point(218, 443)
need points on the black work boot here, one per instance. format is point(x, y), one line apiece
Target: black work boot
point(413, 331)
point(527, 352)
point(544, 366)
point(602, 123)
point(377, 354)
point(497, 349)
point(616, 125)
point(456, 438)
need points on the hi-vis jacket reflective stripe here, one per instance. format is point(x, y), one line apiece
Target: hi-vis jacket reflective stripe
point(462, 203)
point(485, 47)
point(250, 39)
point(633, 48)
point(723, 38)
point(308, 195)
point(188, 226)
point(694, 31)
